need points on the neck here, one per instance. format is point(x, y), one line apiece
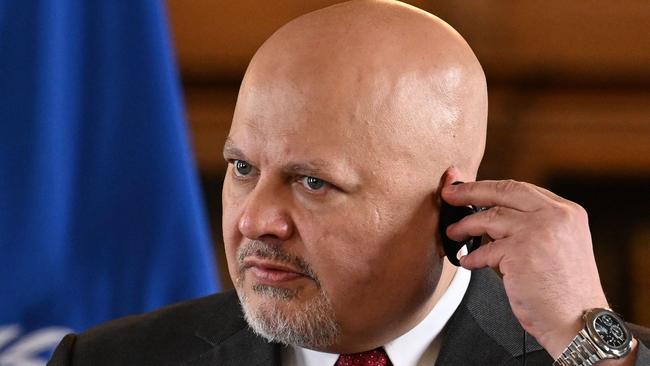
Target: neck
point(446, 275)
point(417, 316)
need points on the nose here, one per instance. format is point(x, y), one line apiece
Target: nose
point(266, 213)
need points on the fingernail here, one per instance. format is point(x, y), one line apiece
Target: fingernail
point(461, 259)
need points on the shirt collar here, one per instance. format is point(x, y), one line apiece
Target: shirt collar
point(409, 348)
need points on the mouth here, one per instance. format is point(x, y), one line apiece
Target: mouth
point(271, 273)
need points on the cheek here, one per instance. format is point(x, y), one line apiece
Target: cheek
point(378, 249)
point(349, 248)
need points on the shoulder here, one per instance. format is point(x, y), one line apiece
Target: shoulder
point(220, 311)
point(165, 336)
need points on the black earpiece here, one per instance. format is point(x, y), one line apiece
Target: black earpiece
point(448, 215)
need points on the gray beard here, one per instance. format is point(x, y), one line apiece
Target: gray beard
point(313, 326)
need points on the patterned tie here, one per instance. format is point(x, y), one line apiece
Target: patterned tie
point(376, 357)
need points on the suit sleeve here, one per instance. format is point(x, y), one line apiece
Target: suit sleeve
point(642, 355)
point(62, 355)
point(642, 336)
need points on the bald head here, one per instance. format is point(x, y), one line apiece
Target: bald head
point(345, 122)
point(378, 68)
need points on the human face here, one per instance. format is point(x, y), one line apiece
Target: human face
point(328, 217)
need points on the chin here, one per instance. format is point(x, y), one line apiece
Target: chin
point(280, 315)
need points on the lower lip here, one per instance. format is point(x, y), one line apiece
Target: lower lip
point(268, 276)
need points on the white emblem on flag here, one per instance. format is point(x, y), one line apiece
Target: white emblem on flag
point(29, 349)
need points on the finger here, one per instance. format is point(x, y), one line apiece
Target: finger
point(507, 193)
point(487, 255)
point(497, 222)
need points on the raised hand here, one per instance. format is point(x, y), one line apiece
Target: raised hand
point(542, 246)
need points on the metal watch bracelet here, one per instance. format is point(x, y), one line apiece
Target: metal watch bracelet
point(581, 352)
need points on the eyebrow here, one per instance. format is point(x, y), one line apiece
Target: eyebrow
point(311, 168)
point(232, 152)
point(314, 167)
point(347, 180)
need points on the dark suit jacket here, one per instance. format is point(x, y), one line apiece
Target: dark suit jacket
point(212, 331)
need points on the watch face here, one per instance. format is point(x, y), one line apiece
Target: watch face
point(610, 330)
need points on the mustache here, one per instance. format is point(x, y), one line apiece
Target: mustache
point(275, 253)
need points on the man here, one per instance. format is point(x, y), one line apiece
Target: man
point(351, 125)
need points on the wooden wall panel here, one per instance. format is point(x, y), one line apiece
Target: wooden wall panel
point(640, 274)
point(210, 114)
point(536, 135)
point(584, 40)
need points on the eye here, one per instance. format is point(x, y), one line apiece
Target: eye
point(242, 168)
point(314, 184)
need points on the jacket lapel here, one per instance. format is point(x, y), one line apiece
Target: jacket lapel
point(242, 348)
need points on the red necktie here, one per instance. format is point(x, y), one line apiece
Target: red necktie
point(376, 357)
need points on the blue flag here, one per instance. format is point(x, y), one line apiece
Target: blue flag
point(100, 211)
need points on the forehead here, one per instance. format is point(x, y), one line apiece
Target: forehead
point(283, 118)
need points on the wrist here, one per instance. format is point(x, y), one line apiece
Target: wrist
point(556, 342)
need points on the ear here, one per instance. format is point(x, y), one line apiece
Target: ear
point(450, 175)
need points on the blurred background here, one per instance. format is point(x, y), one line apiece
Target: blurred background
point(569, 89)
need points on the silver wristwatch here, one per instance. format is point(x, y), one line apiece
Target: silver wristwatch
point(603, 337)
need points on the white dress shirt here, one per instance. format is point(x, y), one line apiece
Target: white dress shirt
point(419, 346)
